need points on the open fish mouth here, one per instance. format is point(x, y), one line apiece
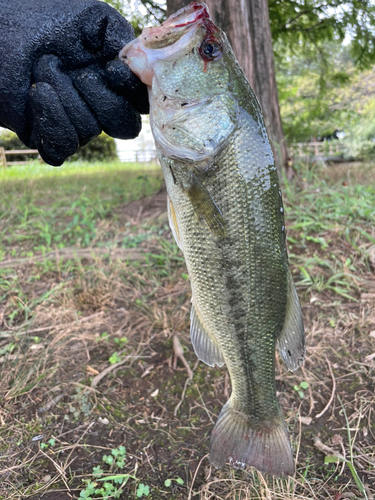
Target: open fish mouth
point(188, 27)
point(175, 26)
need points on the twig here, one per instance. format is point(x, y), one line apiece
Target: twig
point(60, 469)
point(195, 475)
point(76, 444)
point(179, 353)
point(182, 397)
point(325, 449)
point(109, 369)
point(49, 405)
point(333, 391)
point(204, 406)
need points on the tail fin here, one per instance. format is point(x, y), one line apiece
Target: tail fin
point(264, 446)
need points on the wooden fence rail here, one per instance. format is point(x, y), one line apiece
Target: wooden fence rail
point(5, 152)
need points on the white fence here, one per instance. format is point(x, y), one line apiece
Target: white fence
point(148, 156)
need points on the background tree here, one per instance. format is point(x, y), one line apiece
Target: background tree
point(317, 46)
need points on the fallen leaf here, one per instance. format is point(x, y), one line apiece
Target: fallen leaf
point(155, 393)
point(104, 420)
point(372, 334)
point(305, 420)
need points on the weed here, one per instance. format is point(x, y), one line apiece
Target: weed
point(299, 388)
point(112, 484)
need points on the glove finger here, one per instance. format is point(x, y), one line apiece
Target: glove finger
point(48, 69)
point(105, 31)
point(115, 114)
point(119, 77)
point(53, 134)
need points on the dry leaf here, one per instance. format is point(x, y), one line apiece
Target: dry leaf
point(305, 420)
point(104, 420)
point(372, 334)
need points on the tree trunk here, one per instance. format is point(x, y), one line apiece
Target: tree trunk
point(247, 26)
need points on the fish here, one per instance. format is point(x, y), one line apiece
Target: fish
point(226, 214)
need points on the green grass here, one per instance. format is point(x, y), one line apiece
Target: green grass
point(37, 170)
point(61, 316)
point(336, 219)
point(43, 207)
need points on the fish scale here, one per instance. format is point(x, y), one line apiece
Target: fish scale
point(226, 214)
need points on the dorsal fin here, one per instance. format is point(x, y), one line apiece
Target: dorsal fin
point(204, 345)
point(292, 337)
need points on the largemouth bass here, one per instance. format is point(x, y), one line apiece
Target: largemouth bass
point(226, 214)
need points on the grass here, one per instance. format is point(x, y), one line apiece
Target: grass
point(92, 293)
point(70, 206)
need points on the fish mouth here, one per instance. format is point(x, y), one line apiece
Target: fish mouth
point(175, 26)
point(166, 40)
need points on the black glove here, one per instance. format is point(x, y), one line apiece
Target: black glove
point(60, 82)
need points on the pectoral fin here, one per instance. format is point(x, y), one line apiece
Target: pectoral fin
point(173, 222)
point(204, 206)
point(292, 338)
point(204, 345)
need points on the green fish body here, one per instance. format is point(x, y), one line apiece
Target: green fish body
point(226, 213)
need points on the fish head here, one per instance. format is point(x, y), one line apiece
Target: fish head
point(187, 38)
point(189, 67)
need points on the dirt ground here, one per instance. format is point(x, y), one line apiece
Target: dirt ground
point(95, 355)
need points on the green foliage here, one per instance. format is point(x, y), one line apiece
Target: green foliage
point(178, 480)
point(112, 485)
point(140, 13)
point(101, 148)
point(300, 388)
point(143, 490)
point(345, 101)
point(299, 25)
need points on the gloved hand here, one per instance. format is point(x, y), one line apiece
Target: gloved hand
point(60, 82)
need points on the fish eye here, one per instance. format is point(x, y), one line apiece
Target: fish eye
point(210, 50)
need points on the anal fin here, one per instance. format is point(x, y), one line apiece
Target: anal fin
point(291, 341)
point(204, 345)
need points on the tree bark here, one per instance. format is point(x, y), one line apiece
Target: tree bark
point(247, 26)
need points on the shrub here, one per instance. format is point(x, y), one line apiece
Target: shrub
point(101, 148)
